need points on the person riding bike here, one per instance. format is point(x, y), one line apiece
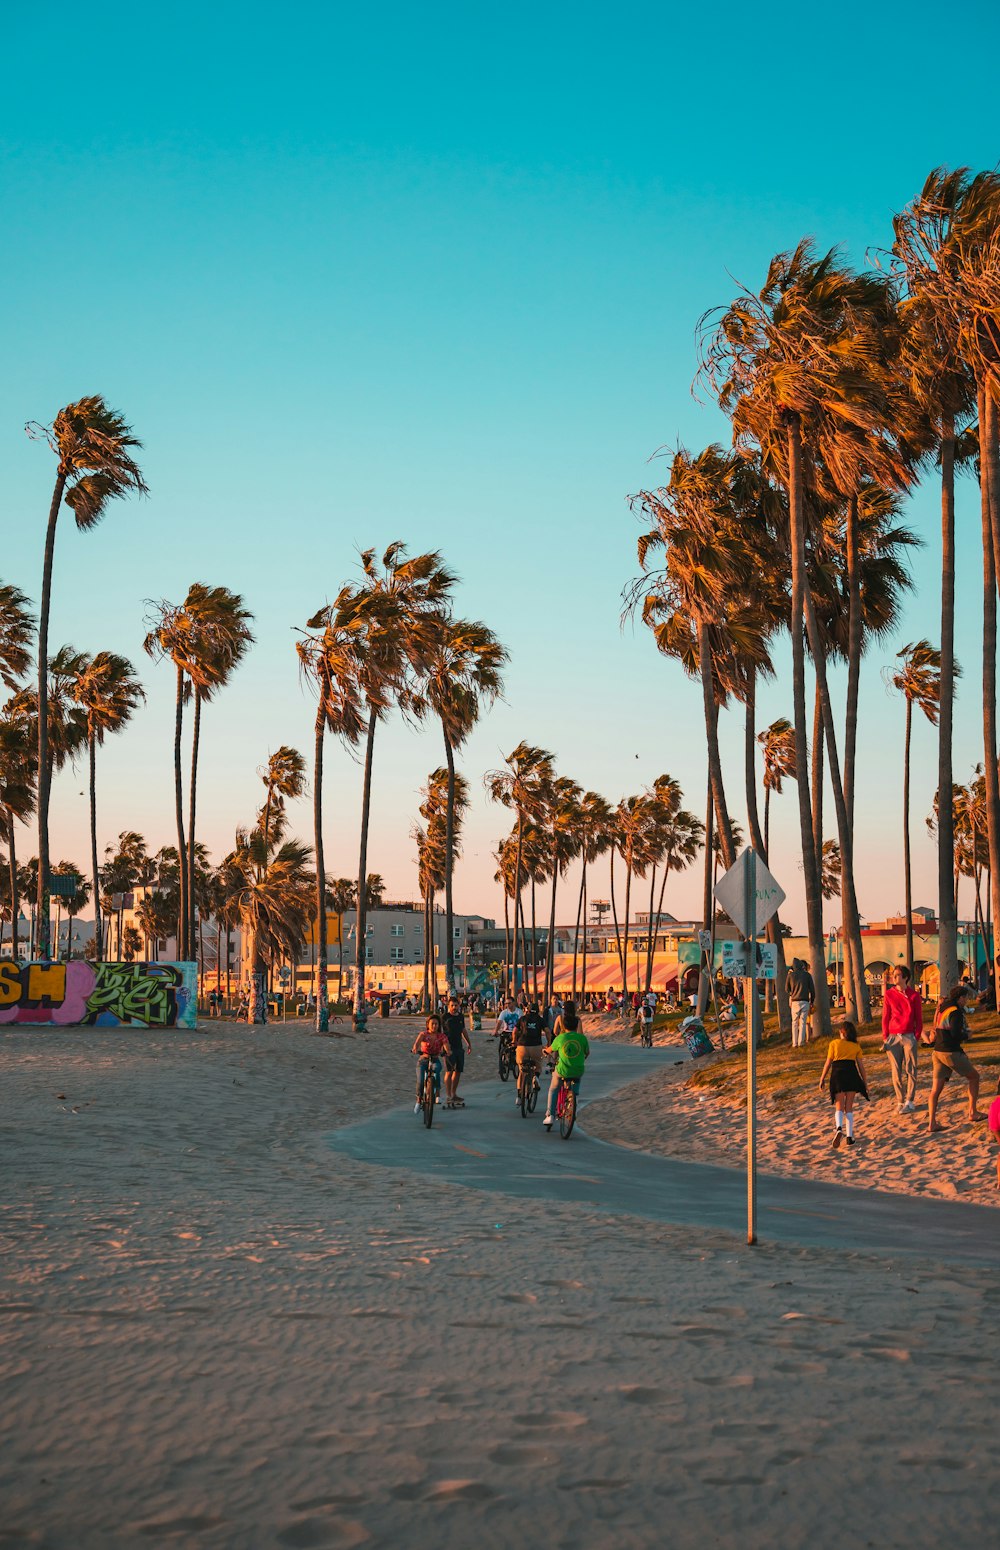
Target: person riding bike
point(507, 1020)
point(528, 1045)
point(646, 1021)
point(432, 1043)
point(570, 1048)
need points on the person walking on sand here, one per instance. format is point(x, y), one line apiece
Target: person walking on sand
point(993, 1121)
point(801, 995)
point(902, 1025)
point(949, 1033)
point(846, 1070)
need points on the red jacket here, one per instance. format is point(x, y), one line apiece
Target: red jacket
point(902, 1012)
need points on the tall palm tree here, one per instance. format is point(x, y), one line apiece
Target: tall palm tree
point(918, 680)
point(93, 444)
point(560, 822)
point(594, 825)
point(125, 865)
point(17, 631)
point(329, 658)
point(17, 799)
point(461, 676)
point(778, 747)
point(523, 785)
point(392, 611)
point(341, 896)
point(797, 367)
point(107, 689)
point(274, 899)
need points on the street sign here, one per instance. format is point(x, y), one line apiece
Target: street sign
point(731, 888)
point(705, 941)
point(284, 974)
point(735, 965)
point(62, 885)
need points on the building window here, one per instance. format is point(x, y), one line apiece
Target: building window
point(370, 931)
point(369, 954)
point(395, 955)
point(395, 930)
point(457, 932)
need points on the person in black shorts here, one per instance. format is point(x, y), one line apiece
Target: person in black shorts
point(454, 1028)
point(529, 1040)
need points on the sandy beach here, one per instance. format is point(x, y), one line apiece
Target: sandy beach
point(216, 1331)
point(665, 1114)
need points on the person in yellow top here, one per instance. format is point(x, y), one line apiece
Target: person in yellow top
point(846, 1070)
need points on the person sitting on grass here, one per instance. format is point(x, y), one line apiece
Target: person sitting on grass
point(846, 1070)
point(949, 1034)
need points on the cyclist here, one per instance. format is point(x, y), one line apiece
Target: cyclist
point(454, 1028)
point(528, 1040)
point(646, 1020)
point(570, 1048)
point(507, 1020)
point(432, 1043)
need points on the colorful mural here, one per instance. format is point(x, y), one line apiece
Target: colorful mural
point(101, 995)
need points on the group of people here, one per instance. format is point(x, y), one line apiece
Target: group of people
point(445, 1038)
point(903, 1033)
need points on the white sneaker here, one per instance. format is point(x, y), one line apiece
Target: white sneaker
point(416, 1107)
point(547, 1121)
point(909, 1108)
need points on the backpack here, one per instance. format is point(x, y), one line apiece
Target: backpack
point(940, 1018)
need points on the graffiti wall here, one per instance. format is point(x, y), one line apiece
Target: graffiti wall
point(101, 995)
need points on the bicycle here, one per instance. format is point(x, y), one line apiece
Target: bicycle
point(528, 1087)
point(646, 1036)
point(429, 1092)
point(566, 1107)
point(506, 1056)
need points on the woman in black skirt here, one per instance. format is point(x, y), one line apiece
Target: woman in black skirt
point(846, 1071)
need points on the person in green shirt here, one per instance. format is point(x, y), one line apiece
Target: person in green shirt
point(570, 1048)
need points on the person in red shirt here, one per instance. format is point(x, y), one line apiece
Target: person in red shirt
point(902, 1021)
point(432, 1043)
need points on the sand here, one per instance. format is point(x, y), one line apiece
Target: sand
point(215, 1331)
point(892, 1151)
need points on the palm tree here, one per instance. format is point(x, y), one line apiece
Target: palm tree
point(274, 899)
point(17, 630)
point(17, 799)
point(523, 784)
point(107, 689)
point(94, 445)
point(461, 676)
point(329, 657)
point(443, 789)
point(73, 903)
point(798, 368)
point(561, 816)
point(778, 746)
point(918, 680)
point(341, 896)
point(593, 837)
point(392, 613)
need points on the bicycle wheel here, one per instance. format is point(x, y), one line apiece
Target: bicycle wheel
point(532, 1094)
point(504, 1062)
point(567, 1118)
point(523, 1089)
point(428, 1100)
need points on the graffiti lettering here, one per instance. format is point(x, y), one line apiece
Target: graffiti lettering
point(150, 995)
point(136, 993)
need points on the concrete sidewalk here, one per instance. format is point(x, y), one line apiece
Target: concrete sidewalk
point(488, 1146)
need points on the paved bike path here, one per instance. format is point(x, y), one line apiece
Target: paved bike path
point(487, 1145)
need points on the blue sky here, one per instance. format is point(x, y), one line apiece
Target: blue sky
point(434, 275)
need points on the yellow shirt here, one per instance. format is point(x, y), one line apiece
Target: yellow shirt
point(843, 1049)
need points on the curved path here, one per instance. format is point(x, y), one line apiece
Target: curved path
point(489, 1146)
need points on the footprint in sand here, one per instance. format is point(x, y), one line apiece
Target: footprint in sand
point(318, 1532)
point(592, 1484)
point(637, 1395)
point(317, 1503)
point(162, 1527)
point(523, 1297)
point(515, 1455)
point(552, 1420)
point(736, 1380)
point(566, 1286)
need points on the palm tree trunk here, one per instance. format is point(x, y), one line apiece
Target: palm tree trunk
point(44, 769)
point(651, 931)
point(712, 733)
point(625, 922)
point(991, 782)
point(614, 917)
point(767, 822)
point(814, 897)
point(426, 992)
point(576, 934)
point(517, 900)
point(534, 945)
point(15, 902)
point(583, 966)
point(907, 888)
point(98, 946)
point(947, 904)
point(449, 866)
point(774, 934)
point(506, 940)
point(229, 995)
point(192, 797)
point(362, 918)
point(707, 909)
point(852, 916)
point(550, 946)
point(816, 777)
point(322, 1001)
point(182, 923)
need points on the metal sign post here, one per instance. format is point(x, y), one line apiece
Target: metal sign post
point(750, 996)
point(750, 895)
